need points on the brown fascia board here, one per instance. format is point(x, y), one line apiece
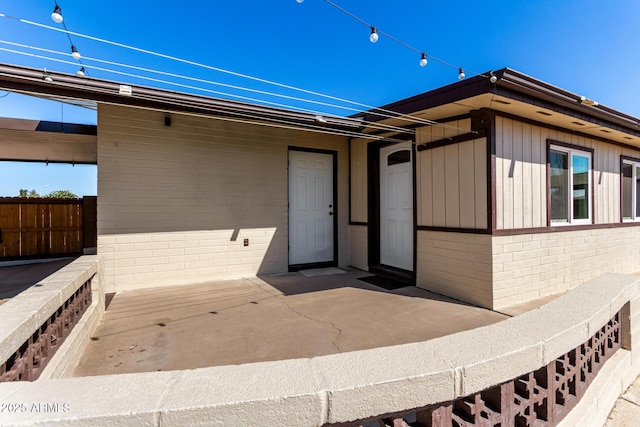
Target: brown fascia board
point(30, 81)
point(476, 85)
point(517, 86)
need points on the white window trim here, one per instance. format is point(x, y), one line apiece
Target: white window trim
point(582, 153)
point(634, 165)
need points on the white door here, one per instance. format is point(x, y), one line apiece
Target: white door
point(396, 206)
point(311, 207)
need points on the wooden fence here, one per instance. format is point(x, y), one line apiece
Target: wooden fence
point(33, 227)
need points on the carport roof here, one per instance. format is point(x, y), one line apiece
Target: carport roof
point(47, 126)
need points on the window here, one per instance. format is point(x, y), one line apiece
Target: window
point(630, 187)
point(397, 157)
point(570, 185)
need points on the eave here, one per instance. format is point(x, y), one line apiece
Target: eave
point(514, 93)
point(71, 88)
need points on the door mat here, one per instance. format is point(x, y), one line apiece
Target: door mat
point(314, 272)
point(384, 282)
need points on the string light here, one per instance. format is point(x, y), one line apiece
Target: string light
point(461, 74)
point(75, 54)
point(371, 110)
point(423, 60)
point(46, 77)
point(375, 33)
point(56, 15)
point(373, 125)
point(80, 72)
point(373, 37)
point(376, 125)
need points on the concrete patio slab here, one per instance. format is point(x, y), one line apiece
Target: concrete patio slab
point(267, 318)
point(626, 412)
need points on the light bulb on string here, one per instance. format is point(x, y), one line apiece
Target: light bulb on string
point(75, 54)
point(423, 60)
point(299, 1)
point(80, 72)
point(373, 37)
point(461, 74)
point(46, 77)
point(56, 15)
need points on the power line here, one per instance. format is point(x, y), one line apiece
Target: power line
point(372, 109)
point(374, 125)
point(258, 119)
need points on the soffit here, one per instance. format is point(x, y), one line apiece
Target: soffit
point(510, 106)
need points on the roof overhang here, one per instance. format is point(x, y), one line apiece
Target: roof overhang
point(520, 95)
point(88, 92)
point(46, 126)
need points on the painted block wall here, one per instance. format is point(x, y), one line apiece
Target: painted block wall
point(530, 266)
point(176, 203)
point(456, 264)
point(451, 185)
point(500, 271)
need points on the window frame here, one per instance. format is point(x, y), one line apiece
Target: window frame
point(571, 150)
point(635, 164)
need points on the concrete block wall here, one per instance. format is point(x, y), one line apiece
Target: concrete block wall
point(455, 264)
point(24, 314)
point(175, 203)
point(67, 357)
point(142, 260)
point(616, 376)
point(530, 266)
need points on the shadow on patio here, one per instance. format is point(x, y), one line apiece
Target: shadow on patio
point(267, 318)
point(17, 276)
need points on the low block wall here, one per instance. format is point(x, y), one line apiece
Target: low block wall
point(344, 388)
point(64, 308)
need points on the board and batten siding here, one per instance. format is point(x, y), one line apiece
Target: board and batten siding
point(451, 180)
point(452, 185)
point(176, 202)
point(437, 132)
point(521, 174)
point(358, 158)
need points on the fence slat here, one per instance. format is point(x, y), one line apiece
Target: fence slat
point(40, 227)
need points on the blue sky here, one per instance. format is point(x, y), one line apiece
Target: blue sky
point(589, 47)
